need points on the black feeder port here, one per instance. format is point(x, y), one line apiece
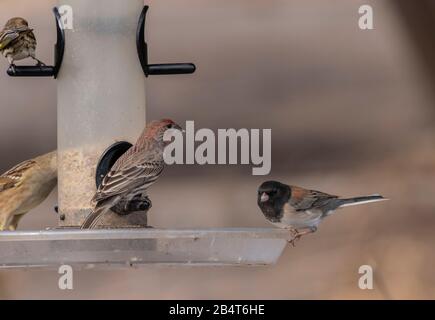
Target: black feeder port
point(109, 158)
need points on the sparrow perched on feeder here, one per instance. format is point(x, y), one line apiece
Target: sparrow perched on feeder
point(125, 187)
point(24, 187)
point(300, 210)
point(17, 41)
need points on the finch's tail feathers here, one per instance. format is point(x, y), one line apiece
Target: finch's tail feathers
point(95, 216)
point(360, 200)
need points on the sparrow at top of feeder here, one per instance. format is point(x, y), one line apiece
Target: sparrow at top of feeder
point(17, 41)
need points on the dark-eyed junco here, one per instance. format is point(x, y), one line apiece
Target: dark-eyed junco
point(301, 210)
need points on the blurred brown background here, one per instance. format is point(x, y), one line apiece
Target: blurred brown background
point(351, 112)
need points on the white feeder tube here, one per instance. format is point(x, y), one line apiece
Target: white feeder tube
point(101, 95)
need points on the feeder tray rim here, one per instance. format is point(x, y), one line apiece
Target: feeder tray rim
point(141, 233)
point(126, 248)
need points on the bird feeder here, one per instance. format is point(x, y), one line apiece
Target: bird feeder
point(101, 97)
point(101, 66)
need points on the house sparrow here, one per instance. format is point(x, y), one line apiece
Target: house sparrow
point(301, 210)
point(125, 187)
point(24, 187)
point(17, 41)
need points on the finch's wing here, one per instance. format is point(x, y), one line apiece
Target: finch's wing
point(122, 181)
point(131, 174)
point(303, 199)
point(13, 177)
point(9, 35)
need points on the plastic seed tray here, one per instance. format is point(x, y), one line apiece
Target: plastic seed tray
point(140, 247)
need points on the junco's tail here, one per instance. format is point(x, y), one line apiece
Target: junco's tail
point(359, 200)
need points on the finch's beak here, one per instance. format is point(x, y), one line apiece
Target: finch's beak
point(264, 197)
point(177, 127)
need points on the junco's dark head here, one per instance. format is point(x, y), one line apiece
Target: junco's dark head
point(271, 197)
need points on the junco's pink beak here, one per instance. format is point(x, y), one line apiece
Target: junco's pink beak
point(264, 197)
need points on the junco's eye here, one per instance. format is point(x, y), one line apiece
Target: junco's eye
point(170, 126)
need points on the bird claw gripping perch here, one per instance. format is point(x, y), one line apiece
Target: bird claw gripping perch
point(39, 63)
point(296, 235)
point(128, 214)
point(41, 69)
point(138, 203)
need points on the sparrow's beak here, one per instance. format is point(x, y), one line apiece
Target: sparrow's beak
point(264, 197)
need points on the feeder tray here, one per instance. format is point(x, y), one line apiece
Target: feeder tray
point(141, 247)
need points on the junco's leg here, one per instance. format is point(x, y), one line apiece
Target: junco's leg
point(297, 234)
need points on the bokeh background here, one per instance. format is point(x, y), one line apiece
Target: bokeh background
point(351, 111)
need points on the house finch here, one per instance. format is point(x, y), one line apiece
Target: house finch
point(293, 208)
point(24, 187)
point(124, 188)
point(17, 41)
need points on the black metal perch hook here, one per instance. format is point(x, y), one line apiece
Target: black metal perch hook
point(142, 51)
point(45, 71)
